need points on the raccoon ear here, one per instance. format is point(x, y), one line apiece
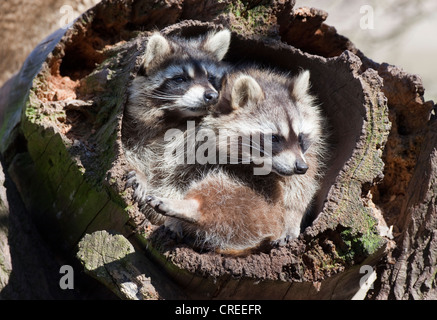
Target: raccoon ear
point(157, 48)
point(300, 85)
point(245, 90)
point(217, 43)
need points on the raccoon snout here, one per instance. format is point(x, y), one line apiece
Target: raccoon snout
point(300, 167)
point(210, 97)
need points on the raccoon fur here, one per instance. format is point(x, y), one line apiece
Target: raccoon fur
point(178, 79)
point(226, 207)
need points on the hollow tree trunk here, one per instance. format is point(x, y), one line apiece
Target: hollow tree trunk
point(61, 145)
point(5, 257)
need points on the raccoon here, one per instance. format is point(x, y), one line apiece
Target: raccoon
point(178, 79)
point(231, 210)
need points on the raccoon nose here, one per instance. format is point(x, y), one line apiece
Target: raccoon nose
point(300, 167)
point(210, 96)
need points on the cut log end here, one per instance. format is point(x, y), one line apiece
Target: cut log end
point(112, 260)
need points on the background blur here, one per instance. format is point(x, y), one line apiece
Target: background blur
point(404, 31)
point(25, 23)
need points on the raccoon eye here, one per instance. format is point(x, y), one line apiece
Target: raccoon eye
point(275, 138)
point(303, 142)
point(179, 79)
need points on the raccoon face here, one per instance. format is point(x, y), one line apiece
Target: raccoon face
point(288, 154)
point(189, 87)
point(297, 131)
point(281, 128)
point(184, 76)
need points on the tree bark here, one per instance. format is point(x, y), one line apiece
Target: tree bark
point(5, 256)
point(61, 145)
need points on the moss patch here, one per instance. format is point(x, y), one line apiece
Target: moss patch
point(358, 246)
point(258, 20)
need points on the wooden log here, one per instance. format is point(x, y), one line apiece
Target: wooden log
point(5, 256)
point(61, 141)
point(112, 260)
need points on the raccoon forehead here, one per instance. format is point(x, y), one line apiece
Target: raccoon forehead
point(256, 125)
point(172, 70)
point(301, 119)
point(192, 68)
point(288, 126)
point(309, 127)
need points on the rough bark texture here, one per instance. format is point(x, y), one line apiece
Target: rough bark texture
point(410, 272)
point(61, 146)
point(5, 256)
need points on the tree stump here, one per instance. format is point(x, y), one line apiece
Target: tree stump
point(5, 257)
point(61, 144)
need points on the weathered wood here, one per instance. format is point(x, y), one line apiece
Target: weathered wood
point(408, 157)
point(111, 259)
point(411, 269)
point(61, 142)
point(29, 268)
point(5, 256)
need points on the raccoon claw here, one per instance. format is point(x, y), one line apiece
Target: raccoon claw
point(134, 181)
point(287, 238)
point(282, 241)
point(131, 174)
point(157, 204)
point(131, 180)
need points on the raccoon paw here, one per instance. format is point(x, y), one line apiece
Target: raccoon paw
point(186, 210)
point(137, 183)
point(130, 178)
point(157, 204)
point(282, 241)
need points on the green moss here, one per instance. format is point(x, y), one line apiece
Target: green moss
point(258, 16)
point(370, 240)
point(129, 207)
point(254, 19)
point(357, 245)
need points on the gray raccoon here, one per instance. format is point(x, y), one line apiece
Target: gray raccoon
point(178, 79)
point(229, 209)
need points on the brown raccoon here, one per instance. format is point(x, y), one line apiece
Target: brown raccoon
point(231, 210)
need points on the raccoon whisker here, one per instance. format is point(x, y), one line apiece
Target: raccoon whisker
point(165, 97)
point(172, 97)
point(162, 97)
point(182, 106)
point(258, 149)
point(188, 102)
point(239, 159)
point(255, 144)
point(187, 98)
point(161, 94)
point(169, 107)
